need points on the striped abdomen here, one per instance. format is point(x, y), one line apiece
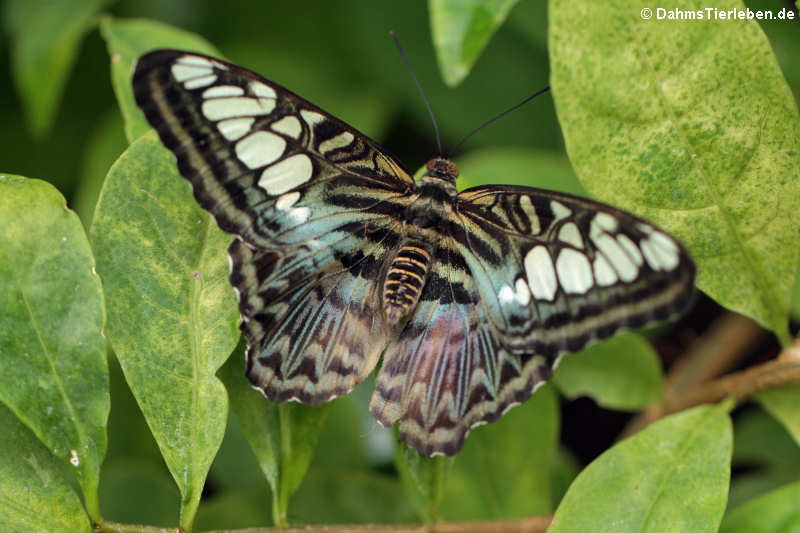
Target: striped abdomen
point(404, 281)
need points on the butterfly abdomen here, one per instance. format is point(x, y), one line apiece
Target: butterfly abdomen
point(404, 280)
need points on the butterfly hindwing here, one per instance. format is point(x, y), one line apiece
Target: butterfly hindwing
point(448, 371)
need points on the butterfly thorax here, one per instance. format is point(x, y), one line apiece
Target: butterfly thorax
point(405, 278)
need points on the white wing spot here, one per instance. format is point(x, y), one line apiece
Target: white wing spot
point(559, 210)
point(334, 143)
point(182, 72)
point(603, 272)
point(223, 90)
point(606, 222)
point(73, 458)
point(625, 267)
point(660, 251)
point(222, 108)
point(540, 273)
point(285, 201)
point(574, 271)
point(523, 295)
point(631, 248)
point(299, 214)
point(235, 128)
point(289, 126)
point(505, 294)
point(286, 175)
point(311, 117)
point(260, 148)
point(196, 83)
point(194, 60)
point(262, 90)
point(527, 207)
point(570, 234)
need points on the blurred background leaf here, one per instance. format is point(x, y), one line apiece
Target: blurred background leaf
point(461, 30)
point(623, 372)
point(45, 37)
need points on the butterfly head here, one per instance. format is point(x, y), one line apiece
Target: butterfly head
point(443, 169)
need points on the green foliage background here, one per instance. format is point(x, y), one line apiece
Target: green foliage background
point(66, 117)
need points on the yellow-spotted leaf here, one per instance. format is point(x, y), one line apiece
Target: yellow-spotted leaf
point(172, 317)
point(692, 125)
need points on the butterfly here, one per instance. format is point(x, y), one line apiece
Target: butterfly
point(340, 256)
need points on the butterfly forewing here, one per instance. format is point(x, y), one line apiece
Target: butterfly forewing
point(310, 200)
point(339, 255)
point(557, 271)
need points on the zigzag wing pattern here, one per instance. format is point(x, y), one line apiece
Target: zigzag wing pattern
point(448, 372)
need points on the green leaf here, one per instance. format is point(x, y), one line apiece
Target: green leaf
point(461, 30)
point(693, 126)
point(35, 493)
point(103, 146)
point(424, 479)
point(623, 372)
point(45, 37)
point(503, 470)
point(283, 437)
point(518, 166)
point(126, 41)
point(171, 313)
point(53, 370)
point(765, 453)
point(775, 512)
point(784, 404)
point(672, 476)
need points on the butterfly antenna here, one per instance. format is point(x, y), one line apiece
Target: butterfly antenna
point(419, 88)
point(501, 115)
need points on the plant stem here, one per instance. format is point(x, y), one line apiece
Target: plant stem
point(784, 370)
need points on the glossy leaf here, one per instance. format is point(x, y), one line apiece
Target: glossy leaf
point(784, 404)
point(694, 127)
point(503, 471)
point(126, 41)
point(35, 493)
point(672, 476)
point(461, 29)
point(172, 317)
point(53, 370)
point(45, 37)
point(775, 512)
point(623, 372)
point(282, 436)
